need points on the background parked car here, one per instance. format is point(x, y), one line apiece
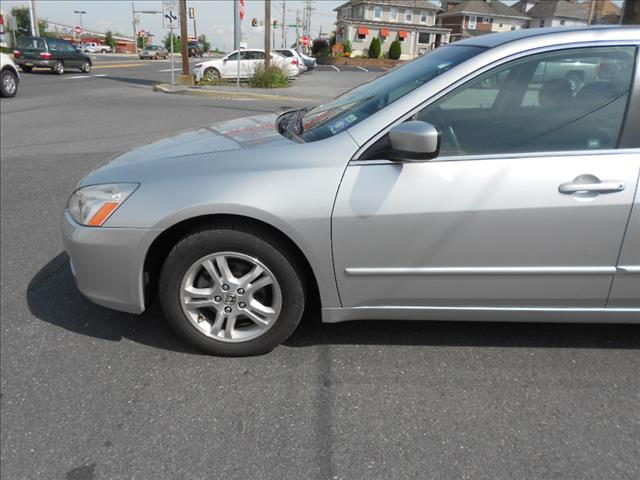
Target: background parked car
point(9, 76)
point(293, 56)
point(227, 67)
point(53, 53)
point(93, 47)
point(153, 52)
point(310, 62)
point(195, 49)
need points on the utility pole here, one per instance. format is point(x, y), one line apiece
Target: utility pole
point(593, 12)
point(284, 24)
point(133, 22)
point(267, 33)
point(297, 31)
point(184, 40)
point(35, 29)
point(80, 13)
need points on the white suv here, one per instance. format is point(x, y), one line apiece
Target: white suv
point(9, 76)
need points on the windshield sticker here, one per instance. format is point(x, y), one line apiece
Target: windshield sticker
point(336, 127)
point(350, 118)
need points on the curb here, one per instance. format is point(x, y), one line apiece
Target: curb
point(166, 88)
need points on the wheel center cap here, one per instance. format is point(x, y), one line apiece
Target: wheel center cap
point(229, 299)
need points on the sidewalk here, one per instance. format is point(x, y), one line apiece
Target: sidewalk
point(315, 87)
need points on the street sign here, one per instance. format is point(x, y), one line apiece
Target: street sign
point(170, 13)
point(305, 41)
point(78, 30)
point(241, 9)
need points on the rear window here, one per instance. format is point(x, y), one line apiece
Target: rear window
point(31, 43)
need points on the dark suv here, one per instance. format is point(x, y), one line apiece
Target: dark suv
point(195, 49)
point(52, 53)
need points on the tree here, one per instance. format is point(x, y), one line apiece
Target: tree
point(348, 48)
point(23, 23)
point(205, 43)
point(140, 42)
point(166, 41)
point(395, 50)
point(320, 47)
point(374, 48)
point(109, 40)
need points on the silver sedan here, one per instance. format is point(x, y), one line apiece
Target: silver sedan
point(493, 179)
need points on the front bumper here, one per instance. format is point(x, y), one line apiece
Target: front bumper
point(35, 62)
point(108, 263)
point(198, 72)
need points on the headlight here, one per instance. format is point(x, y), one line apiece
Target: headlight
point(94, 204)
point(198, 65)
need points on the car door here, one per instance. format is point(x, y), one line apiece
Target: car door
point(72, 57)
point(525, 206)
point(229, 65)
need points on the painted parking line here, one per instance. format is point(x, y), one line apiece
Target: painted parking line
point(362, 68)
point(168, 70)
point(335, 68)
point(120, 65)
point(77, 77)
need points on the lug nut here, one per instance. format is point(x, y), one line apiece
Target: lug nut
point(227, 309)
point(242, 305)
point(241, 291)
point(225, 287)
point(217, 299)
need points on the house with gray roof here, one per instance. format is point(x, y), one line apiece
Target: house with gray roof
point(478, 17)
point(554, 13)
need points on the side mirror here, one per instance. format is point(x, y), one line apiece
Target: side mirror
point(224, 61)
point(414, 141)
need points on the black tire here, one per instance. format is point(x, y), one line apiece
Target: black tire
point(8, 83)
point(26, 69)
point(268, 250)
point(211, 74)
point(86, 67)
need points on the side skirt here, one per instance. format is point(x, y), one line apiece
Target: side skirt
point(484, 314)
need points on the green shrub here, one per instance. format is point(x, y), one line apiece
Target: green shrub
point(348, 48)
point(374, 48)
point(272, 77)
point(395, 50)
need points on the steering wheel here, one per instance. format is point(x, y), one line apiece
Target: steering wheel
point(438, 119)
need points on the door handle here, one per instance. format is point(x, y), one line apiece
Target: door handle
point(590, 185)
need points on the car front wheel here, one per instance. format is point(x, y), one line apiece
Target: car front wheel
point(211, 74)
point(8, 83)
point(232, 292)
point(86, 67)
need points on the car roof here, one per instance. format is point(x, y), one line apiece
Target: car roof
point(563, 34)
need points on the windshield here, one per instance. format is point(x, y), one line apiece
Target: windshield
point(357, 104)
point(152, 47)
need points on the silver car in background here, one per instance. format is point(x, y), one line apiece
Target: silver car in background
point(465, 185)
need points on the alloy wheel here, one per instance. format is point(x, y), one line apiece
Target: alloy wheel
point(9, 83)
point(230, 296)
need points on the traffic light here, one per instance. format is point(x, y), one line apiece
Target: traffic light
point(192, 12)
point(275, 24)
point(254, 22)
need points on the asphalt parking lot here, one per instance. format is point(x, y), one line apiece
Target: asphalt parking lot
point(88, 393)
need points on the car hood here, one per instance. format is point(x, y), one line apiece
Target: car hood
point(243, 133)
point(192, 149)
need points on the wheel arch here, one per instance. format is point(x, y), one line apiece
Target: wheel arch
point(163, 243)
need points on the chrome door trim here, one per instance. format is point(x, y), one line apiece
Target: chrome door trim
point(630, 269)
point(504, 309)
point(411, 271)
point(508, 156)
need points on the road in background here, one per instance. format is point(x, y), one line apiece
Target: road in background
point(88, 393)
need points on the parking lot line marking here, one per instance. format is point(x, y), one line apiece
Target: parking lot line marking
point(100, 75)
point(335, 68)
point(362, 68)
point(121, 65)
point(168, 70)
point(76, 77)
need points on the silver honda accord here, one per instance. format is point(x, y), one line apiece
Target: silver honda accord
point(493, 179)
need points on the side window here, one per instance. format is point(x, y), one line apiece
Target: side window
point(53, 46)
point(67, 47)
point(555, 101)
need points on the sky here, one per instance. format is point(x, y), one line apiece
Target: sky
point(214, 18)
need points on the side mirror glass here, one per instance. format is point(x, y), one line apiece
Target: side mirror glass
point(414, 141)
